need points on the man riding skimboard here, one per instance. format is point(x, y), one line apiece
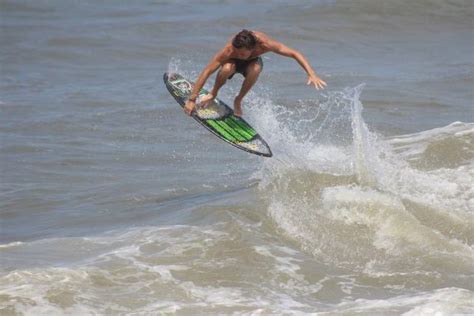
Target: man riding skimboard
point(242, 55)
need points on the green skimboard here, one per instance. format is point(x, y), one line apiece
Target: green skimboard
point(218, 118)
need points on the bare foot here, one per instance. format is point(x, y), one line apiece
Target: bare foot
point(205, 100)
point(237, 107)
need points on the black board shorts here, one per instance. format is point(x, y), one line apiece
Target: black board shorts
point(241, 65)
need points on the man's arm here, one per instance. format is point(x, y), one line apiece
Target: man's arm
point(284, 50)
point(211, 67)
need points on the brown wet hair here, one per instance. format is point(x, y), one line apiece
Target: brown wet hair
point(245, 39)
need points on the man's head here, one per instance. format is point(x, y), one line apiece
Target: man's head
point(245, 39)
point(244, 42)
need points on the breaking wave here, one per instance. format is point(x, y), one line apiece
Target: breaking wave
point(382, 206)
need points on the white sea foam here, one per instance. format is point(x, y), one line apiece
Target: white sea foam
point(446, 301)
point(383, 203)
point(411, 146)
point(176, 263)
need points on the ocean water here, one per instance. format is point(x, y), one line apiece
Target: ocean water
point(113, 202)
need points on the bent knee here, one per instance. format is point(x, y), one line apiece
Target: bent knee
point(228, 68)
point(254, 68)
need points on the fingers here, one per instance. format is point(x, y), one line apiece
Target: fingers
point(317, 85)
point(320, 84)
point(314, 82)
point(317, 82)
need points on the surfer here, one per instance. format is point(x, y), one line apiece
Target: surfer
point(242, 54)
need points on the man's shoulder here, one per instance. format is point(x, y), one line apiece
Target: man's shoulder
point(224, 54)
point(264, 40)
point(261, 37)
point(226, 51)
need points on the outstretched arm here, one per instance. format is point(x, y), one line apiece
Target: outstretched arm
point(284, 50)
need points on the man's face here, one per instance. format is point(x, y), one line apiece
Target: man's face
point(243, 53)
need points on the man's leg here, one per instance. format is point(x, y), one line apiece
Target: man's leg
point(227, 70)
point(253, 71)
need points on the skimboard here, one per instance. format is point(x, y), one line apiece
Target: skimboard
point(218, 118)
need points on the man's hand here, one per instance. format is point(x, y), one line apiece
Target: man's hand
point(318, 82)
point(189, 107)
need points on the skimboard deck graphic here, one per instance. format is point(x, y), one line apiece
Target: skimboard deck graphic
point(218, 118)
